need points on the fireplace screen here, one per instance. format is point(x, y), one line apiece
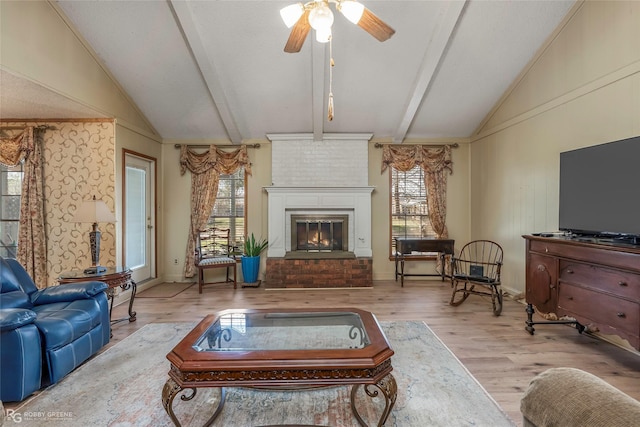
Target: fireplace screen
point(319, 233)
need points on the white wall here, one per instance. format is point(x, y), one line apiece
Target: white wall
point(583, 89)
point(337, 161)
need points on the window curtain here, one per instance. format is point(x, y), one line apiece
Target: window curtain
point(435, 162)
point(32, 254)
point(205, 171)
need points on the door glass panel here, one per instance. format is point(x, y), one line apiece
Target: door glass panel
point(136, 224)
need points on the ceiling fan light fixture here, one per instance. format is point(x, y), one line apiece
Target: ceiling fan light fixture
point(352, 10)
point(291, 14)
point(323, 35)
point(321, 17)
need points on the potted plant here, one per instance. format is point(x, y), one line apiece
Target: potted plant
point(251, 258)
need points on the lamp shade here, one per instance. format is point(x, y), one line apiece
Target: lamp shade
point(93, 211)
point(291, 14)
point(352, 10)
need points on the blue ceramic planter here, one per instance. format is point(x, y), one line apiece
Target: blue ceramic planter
point(250, 268)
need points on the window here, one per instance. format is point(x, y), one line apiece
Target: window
point(10, 190)
point(409, 210)
point(229, 211)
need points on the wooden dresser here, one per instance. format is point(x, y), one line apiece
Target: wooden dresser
point(597, 284)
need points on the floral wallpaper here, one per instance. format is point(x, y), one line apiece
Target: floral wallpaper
point(79, 162)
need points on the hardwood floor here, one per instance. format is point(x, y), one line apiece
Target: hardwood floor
point(501, 355)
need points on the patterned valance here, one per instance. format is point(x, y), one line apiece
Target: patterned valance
point(15, 149)
point(224, 162)
point(406, 157)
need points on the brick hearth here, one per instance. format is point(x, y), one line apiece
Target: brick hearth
point(319, 273)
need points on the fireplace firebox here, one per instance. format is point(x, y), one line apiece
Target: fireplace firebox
point(319, 233)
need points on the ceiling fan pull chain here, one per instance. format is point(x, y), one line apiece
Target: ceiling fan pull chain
point(331, 65)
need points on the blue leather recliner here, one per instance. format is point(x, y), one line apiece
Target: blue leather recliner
point(46, 333)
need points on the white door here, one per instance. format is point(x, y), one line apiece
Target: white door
point(139, 216)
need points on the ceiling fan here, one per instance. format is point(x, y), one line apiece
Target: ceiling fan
point(316, 14)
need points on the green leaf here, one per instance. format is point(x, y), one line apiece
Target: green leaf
point(253, 247)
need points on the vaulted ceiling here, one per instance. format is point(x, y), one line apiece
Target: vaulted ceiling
point(217, 69)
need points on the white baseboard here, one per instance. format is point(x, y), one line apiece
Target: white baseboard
point(178, 278)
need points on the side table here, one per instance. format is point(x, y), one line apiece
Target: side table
point(114, 277)
point(406, 245)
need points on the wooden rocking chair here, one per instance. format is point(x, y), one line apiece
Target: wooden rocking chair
point(477, 271)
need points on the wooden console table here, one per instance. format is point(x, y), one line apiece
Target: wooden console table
point(406, 245)
point(591, 284)
point(114, 277)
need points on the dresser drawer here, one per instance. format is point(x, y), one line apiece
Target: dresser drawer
point(617, 282)
point(610, 256)
point(609, 310)
point(545, 247)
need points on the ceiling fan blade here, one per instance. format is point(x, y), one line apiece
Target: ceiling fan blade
point(375, 26)
point(298, 34)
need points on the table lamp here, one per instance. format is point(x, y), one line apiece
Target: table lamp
point(94, 211)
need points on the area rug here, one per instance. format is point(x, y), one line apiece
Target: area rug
point(123, 385)
point(165, 290)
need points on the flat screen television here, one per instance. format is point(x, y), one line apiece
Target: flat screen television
point(600, 191)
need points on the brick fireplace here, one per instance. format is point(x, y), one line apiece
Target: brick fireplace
point(310, 196)
point(319, 273)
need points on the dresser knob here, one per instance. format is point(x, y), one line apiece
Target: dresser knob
point(569, 271)
point(621, 315)
point(622, 283)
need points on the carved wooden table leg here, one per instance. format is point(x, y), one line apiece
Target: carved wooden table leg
point(389, 389)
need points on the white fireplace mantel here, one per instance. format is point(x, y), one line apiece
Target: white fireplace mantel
point(353, 199)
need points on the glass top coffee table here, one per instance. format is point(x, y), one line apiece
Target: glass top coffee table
point(283, 349)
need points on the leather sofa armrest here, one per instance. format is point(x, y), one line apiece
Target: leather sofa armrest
point(13, 318)
point(68, 292)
